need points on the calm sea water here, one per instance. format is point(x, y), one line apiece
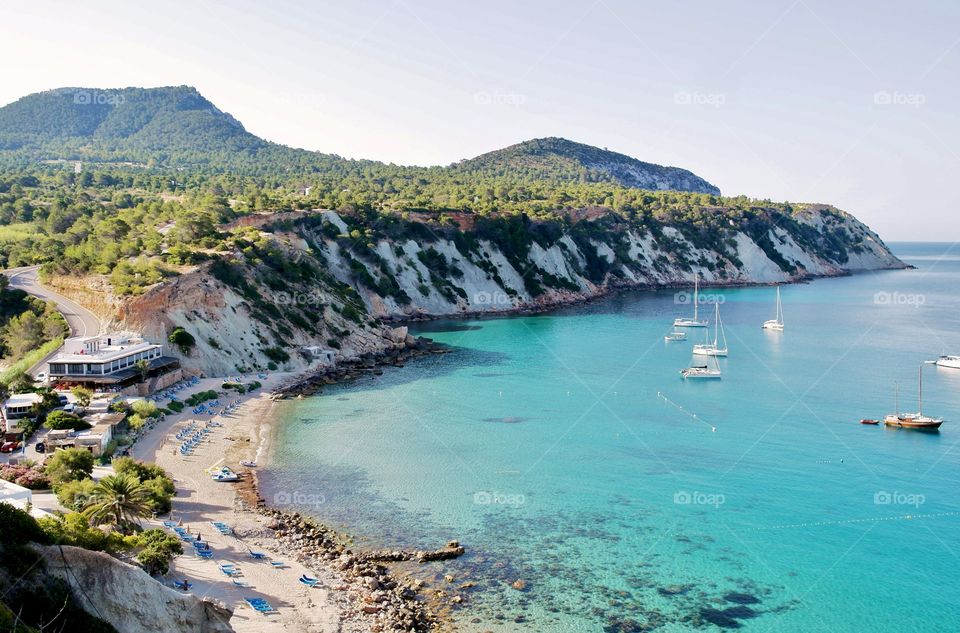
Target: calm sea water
point(565, 450)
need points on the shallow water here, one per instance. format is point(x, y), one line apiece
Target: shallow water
point(565, 450)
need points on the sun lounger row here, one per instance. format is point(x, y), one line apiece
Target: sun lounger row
point(260, 605)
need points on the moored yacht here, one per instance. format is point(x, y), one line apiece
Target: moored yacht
point(695, 321)
point(700, 372)
point(776, 323)
point(916, 420)
point(948, 361)
point(716, 348)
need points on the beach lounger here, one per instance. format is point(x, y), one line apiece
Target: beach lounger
point(260, 605)
point(204, 553)
point(240, 583)
point(309, 583)
point(278, 564)
point(169, 524)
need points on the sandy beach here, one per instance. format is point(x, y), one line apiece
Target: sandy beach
point(242, 434)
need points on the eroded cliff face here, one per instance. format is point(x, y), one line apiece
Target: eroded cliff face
point(323, 279)
point(438, 277)
point(128, 598)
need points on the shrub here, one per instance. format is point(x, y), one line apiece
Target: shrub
point(69, 464)
point(59, 420)
point(175, 405)
point(157, 550)
point(73, 495)
point(73, 529)
point(276, 354)
point(155, 480)
point(19, 527)
point(145, 409)
point(25, 475)
point(182, 339)
point(200, 397)
point(82, 395)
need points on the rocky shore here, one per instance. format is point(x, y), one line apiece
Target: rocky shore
point(389, 601)
point(349, 369)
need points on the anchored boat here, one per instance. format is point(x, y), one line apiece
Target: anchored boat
point(695, 321)
point(952, 362)
point(715, 348)
point(776, 323)
point(917, 420)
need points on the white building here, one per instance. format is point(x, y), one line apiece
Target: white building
point(17, 407)
point(20, 497)
point(325, 356)
point(108, 359)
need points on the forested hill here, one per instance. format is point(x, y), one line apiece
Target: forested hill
point(560, 159)
point(178, 127)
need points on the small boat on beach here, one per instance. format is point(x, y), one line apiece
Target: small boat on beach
point(225, 475)
point(248, 463)
point(917, 421)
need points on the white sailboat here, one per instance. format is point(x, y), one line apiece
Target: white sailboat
point(777, 323)
point(715, 348)
point(701, 372)
point(695, 321)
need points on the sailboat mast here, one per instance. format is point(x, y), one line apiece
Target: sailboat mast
point(716, 326)
point(920, 391)
point(696, 295)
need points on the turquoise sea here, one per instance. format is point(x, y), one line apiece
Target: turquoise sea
point(565, 450)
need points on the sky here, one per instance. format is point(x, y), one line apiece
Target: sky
point(850, 103)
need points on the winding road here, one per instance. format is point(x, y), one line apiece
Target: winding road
point(82, 322)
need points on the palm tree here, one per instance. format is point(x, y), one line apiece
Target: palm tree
point(118, 500)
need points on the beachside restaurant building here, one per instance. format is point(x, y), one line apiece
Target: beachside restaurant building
point(107, 362)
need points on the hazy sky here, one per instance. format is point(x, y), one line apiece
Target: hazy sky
point(852, 103)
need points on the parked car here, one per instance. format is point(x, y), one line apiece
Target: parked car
point(41, 447)
point(42, 377)
point(9, 447)
point(63, 399)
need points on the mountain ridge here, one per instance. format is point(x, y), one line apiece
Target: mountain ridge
point(177, 125)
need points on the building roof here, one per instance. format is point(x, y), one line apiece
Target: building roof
point(120, 375)
point(22, 400)
point(102, 348)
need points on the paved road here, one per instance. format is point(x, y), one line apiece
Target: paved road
point(82, 322)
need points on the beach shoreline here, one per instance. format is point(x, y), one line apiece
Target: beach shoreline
point(357, 590)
